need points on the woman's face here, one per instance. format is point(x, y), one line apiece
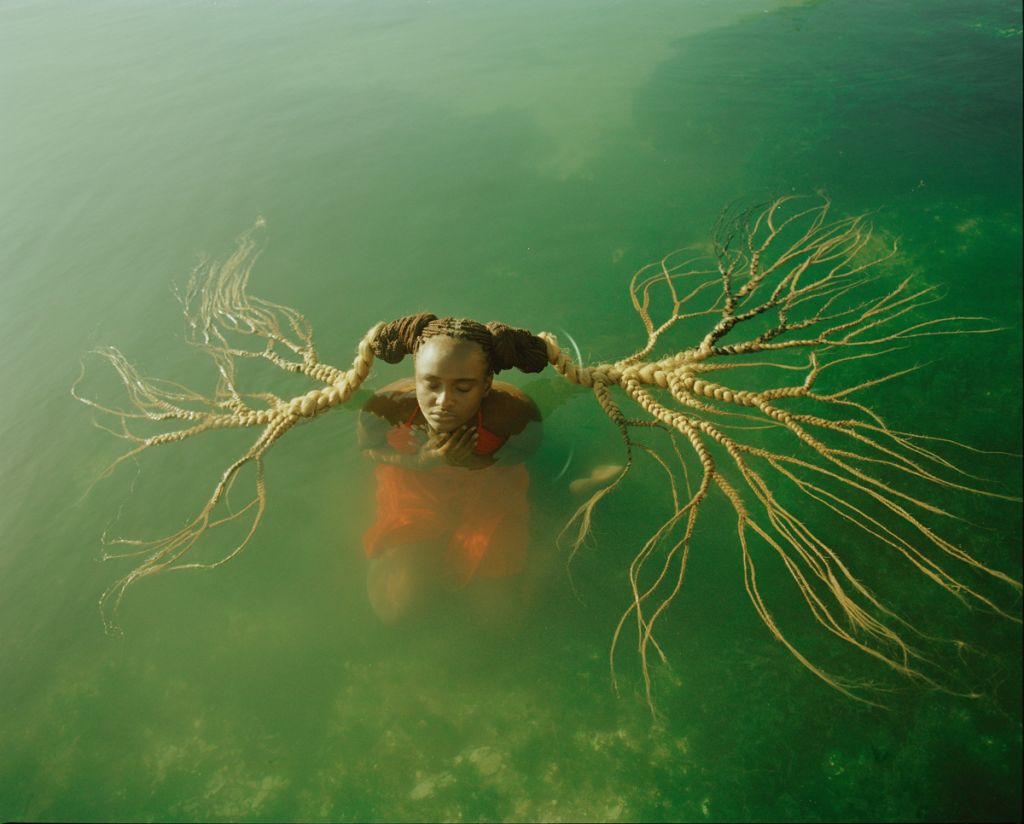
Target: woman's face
point(451, 381)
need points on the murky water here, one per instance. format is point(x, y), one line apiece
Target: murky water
point(512, 160)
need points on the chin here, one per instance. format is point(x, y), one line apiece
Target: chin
point(446, 425)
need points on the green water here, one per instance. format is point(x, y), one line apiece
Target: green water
point(513, 160)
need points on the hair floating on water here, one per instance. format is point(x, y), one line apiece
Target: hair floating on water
point(783, 279)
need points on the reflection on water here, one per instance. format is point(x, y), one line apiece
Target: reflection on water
point(509, 161)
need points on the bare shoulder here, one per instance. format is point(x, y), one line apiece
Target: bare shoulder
point(507, 410)
point(393, 402)
point(400, 387)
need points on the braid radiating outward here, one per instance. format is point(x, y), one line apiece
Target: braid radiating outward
point(505, 347)
point(736, 392)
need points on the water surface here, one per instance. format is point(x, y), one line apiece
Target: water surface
point(500, 160)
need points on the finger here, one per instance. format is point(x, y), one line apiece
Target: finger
point(457, 435)
point(467, 444)
point(446, 441)
point(457, 449)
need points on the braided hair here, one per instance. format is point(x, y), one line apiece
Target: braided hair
point(504, 346)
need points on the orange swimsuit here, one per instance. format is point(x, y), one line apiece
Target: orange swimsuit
point(482, 513)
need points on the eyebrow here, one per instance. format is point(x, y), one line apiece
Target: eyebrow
point(457, 380)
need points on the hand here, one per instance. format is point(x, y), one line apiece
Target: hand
point(454, 448)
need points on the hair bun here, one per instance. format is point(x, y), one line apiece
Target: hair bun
point(397, 339)
point(517, 348)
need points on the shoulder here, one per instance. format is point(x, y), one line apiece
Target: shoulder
point(507, 410)
point(394, 402)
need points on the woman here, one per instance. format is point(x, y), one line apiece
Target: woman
point(450, 442)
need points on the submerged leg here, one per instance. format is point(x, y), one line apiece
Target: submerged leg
point(400, 580)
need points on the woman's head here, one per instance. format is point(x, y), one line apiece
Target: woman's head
point(456, 360)
point(452, 378)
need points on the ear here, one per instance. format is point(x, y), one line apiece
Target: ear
point(487, 383)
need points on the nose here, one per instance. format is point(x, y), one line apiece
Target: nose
point(444, 400)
